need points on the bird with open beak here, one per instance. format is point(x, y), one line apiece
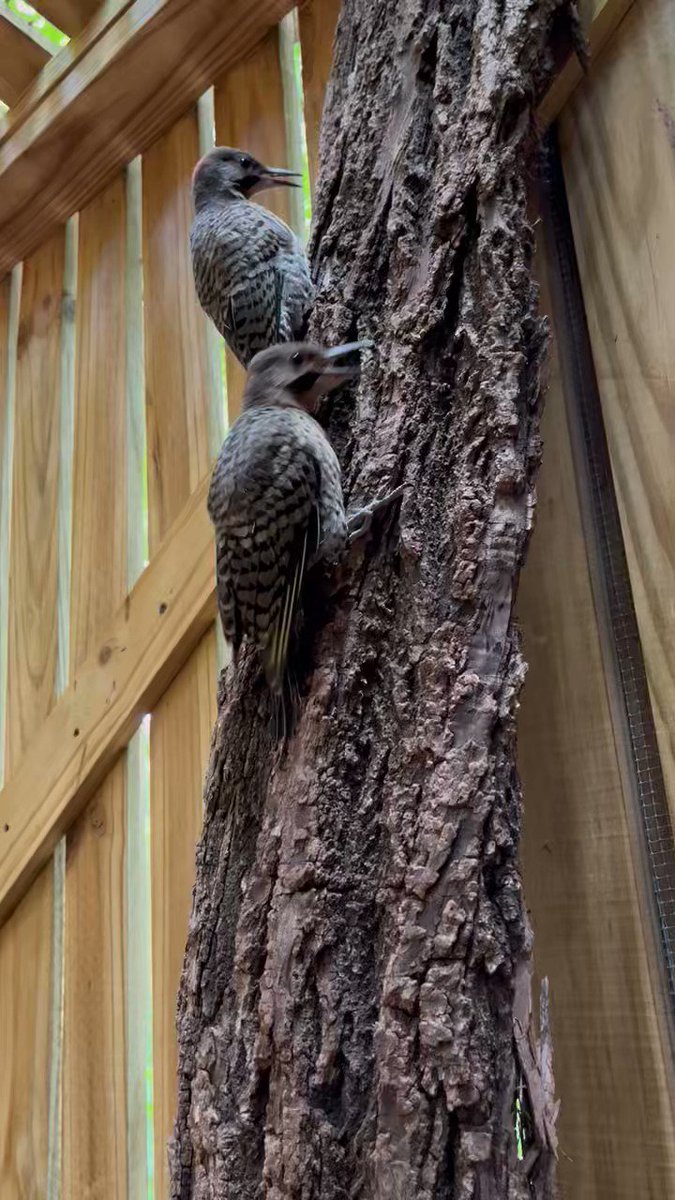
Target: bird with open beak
point(250, 270)
point(276, 498)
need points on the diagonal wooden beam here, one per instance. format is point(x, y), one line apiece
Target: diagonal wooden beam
point(145, 645)
point(111, 97)
point(23, 54)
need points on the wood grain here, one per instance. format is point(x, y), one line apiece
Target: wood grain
point(25, 1000)
point(133, 661)
point(94, 1092)
point(94, 1124)
point(317, 21)
point(578, 867)
point(32, 632)
point(26, 941)
point(21, 56)
point(249, 109)
point(620, 171)
point(599, 21)
point(127, 86)
point(99, 476)
point(180, 733)
point(178, 395)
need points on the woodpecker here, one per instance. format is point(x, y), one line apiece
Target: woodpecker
point(251, 272)
point(276, 498)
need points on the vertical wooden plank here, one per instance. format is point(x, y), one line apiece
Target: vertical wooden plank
point(95, 1140)
point(137, 866)
point(177, 382)
point(179, 736)
point(8, 381)
point(26, 939)
point(317, 21)
point(25, 995)
point(615, 1126)
point(620, 175)
point(249, 108)
point(32, 647)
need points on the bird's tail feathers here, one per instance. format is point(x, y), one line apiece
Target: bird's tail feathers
point(275, 654)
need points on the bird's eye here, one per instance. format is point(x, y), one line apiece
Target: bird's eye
point(296, 358)
point(244, 160)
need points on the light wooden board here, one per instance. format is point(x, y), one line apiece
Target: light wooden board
point(25, 1001)
point(178, 395)
point(99, 476)
point(94, 1087)
point(94, 1119)
point(128, 86)
point(599, 21)
point(134, 660)
point(26, 942)
point(32, 632)
point(620, 172)
point(180, 734)
point(249, 109)
point(615, 1127)
point(317, 20)
point(21, 57)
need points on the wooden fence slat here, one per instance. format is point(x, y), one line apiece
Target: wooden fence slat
point(26, 941)
point(619, 162)
point(178, 395)
point(179, 738)
point(25, 999)
point(249, 107)
point(317, 21)
point(32, 648)
point(94, 1016)
point(615, 1125)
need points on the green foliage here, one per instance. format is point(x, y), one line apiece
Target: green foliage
point(25, 12)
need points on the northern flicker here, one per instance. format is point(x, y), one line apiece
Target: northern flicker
point(251, 272)
point(276, 498)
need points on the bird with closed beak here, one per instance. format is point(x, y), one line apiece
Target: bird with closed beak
point(250, 270)
point(276, 498)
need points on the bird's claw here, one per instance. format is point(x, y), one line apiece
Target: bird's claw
point(360, 522)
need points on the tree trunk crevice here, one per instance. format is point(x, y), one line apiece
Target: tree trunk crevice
point(354, 1010)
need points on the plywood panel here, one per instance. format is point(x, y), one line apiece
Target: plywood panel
point(177, 382)
point(620, 173)
point(25, 1001)
point(26, 940)
point(616, 1133)
point(317, 19)
point(94, 1121)
point(249, 109)
point(32, 633)
point(180, 732)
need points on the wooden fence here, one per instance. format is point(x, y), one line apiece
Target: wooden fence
point(114, 398)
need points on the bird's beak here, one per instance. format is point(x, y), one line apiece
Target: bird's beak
point(333, 373)
point(275, 177)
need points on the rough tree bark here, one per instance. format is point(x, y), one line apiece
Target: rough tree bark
point(353, 1016)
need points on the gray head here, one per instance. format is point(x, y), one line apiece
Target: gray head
point(297, 374)
point(233, 174)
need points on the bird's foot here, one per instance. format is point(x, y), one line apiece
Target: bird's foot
point(360, 522)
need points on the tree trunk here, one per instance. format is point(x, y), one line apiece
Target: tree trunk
point(354, 1009)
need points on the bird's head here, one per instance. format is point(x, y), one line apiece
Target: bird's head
point(225, 172)
point(297, 374)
